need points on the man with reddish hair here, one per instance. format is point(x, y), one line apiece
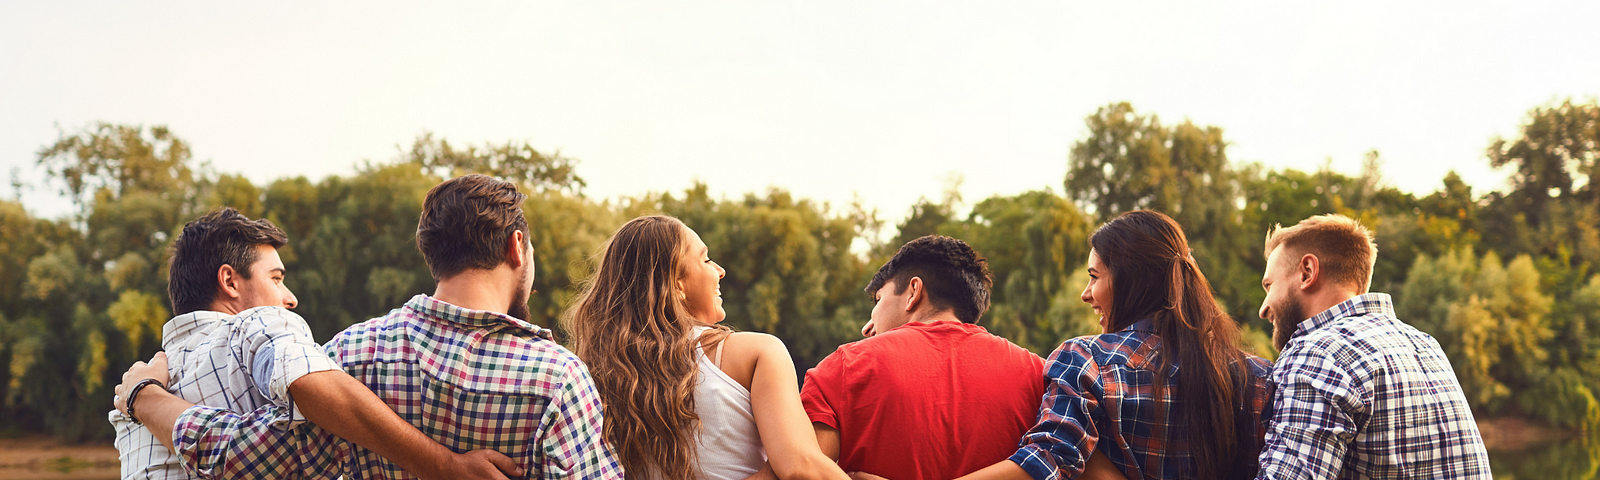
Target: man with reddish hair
point(1360, 393)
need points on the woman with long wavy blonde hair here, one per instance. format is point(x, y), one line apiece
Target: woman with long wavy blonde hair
point(685, 397)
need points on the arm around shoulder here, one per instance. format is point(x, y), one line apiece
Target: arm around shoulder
point(786, 432)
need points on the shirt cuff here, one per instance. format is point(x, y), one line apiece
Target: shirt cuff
point(190, 424)
point(1037, 462)
point(825, 419)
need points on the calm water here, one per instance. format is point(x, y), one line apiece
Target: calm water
point(1573, 459)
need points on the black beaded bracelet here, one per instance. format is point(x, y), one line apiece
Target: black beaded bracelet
point(133, 393)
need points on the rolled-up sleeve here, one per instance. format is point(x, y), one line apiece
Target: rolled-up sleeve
point(1065, 434)
point(216, 443)
point(278, 344)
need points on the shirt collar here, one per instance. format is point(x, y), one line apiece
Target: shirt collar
point(1140, 326)
point(174, 331)
point(434, 308)
point(1359, 305)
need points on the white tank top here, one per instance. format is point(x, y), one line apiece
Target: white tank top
point(730, 446)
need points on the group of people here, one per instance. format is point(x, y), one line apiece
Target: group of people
point(460, 385)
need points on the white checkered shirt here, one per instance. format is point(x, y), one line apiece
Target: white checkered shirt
point(210, 358)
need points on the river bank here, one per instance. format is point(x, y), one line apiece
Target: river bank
point(43, 458)
point(1515, 444)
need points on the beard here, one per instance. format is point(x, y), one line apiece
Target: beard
point(519, 299)
point(1286, 317)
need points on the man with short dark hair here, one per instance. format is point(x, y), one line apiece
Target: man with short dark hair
point(234, 343)
point(930, 394)
point(1360, 393)
point(462, 364)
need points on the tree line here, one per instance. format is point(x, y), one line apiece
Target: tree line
point(1503, 279)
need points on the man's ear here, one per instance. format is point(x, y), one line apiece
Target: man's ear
point(914, 293)
point(517, 249)
point(1309, 269)
point(228, 282)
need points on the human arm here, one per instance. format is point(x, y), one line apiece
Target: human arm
point(156, 405)
point(827, 441)
point(297, 374)
point(1314, 414)
point(1064, 436)
point(326, 400)
point(786, 433)
point(1099, 468)
point(345, 407)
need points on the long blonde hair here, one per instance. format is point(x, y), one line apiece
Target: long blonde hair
point(632, 329)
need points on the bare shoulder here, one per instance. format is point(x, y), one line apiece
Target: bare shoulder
point(754, 345)
point(756, 340)
point(744, 350)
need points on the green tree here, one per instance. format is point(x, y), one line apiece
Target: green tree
point(1034, 242)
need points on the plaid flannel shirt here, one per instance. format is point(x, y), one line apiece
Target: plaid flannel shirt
point(1362, 395)
point(1100, 390)
point(468, 379)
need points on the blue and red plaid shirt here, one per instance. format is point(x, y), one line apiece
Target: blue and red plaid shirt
point(469, 379)
point(1100, 391)
point(1363, 395)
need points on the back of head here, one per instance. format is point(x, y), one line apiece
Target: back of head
point(1344, 248)
point(632, 329)
point(956, 277)
point(222, 237)
point(1154, 277)
point(465, 223)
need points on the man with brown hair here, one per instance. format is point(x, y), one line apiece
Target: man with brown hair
point(462, 365)
point(235, 343)
point(1360, 393)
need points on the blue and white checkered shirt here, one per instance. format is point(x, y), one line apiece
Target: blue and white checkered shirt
point(1363, 395)
point(235, 362)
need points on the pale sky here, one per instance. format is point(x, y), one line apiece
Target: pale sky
point(826, 99)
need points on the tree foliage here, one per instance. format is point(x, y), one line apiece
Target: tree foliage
point(81, 297)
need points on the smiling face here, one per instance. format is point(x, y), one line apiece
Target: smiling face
point(1098, 292)
point(265, 286)
point(1284, 305)
point(701, 281)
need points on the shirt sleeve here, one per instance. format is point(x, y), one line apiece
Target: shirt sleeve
point(216, 443)
point(1314, 418)
point(821, 389)
point(278, 346)
point(1059, 444)
point(572, 445)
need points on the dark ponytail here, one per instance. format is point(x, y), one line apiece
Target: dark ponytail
point(1154, 276)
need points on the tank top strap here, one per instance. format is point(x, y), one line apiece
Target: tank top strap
point(716, 362)
point(723, 347)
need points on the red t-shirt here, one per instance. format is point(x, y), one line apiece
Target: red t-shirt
point(926, 400)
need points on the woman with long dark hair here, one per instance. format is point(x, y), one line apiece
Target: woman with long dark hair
point(1165, 391)
point(686, 398)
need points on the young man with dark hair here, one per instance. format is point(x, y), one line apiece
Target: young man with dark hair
point(463, 365)
point(235, 344)
point(930, 394)
point(1360, 393)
